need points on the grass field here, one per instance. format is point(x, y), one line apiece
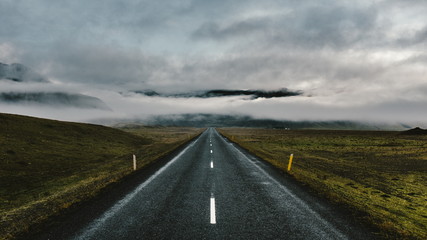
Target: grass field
point(382, 176)
point(46, 166)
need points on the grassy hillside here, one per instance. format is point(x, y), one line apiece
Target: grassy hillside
point(48, 165)
point(380, 174)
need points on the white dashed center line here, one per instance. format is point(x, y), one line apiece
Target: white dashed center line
point(213, 216)
point(212, 206)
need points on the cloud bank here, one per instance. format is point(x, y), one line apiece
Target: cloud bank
point(350, 60)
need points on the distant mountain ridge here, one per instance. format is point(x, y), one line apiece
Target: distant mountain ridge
point(216, 120)
point(54, 99)
point(23, 75)
point(415, 131)
point(252, 94)
point(19, 73)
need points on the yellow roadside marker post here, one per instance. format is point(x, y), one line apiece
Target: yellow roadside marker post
point(134, 162)
point(290, 162)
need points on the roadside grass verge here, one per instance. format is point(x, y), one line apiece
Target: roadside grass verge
point(47, 166)
point(381, 176)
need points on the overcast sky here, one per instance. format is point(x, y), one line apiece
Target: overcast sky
point(352, 60)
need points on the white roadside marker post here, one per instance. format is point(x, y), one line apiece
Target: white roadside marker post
point(134, 162)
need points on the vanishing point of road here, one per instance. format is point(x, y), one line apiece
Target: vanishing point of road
point(211, 189)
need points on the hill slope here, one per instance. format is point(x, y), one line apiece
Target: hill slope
point(19, 73)
point(37, 152)
point(54, 99)
point(22, 76)
point(46, 166)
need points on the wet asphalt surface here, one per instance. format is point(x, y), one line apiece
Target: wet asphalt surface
point(211, 189)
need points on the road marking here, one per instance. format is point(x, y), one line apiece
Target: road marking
point(211, 151)
point(298, 200)
point(211, 144)
point(90, 230)
point(211, 164)
point(213, 215)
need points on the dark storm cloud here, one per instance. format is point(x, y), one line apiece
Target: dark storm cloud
point(334, 25)
point(103, 65)
point(420, 58)
point(212, 30)
point(45, 22)
point(418, 37)
point(421, 36)
point(341, 53)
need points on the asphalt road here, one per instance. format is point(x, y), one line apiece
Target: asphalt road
point(211, 189)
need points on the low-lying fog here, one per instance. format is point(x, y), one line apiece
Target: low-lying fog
point(334, 60)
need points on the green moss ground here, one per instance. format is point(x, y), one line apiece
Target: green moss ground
point(380, 174)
